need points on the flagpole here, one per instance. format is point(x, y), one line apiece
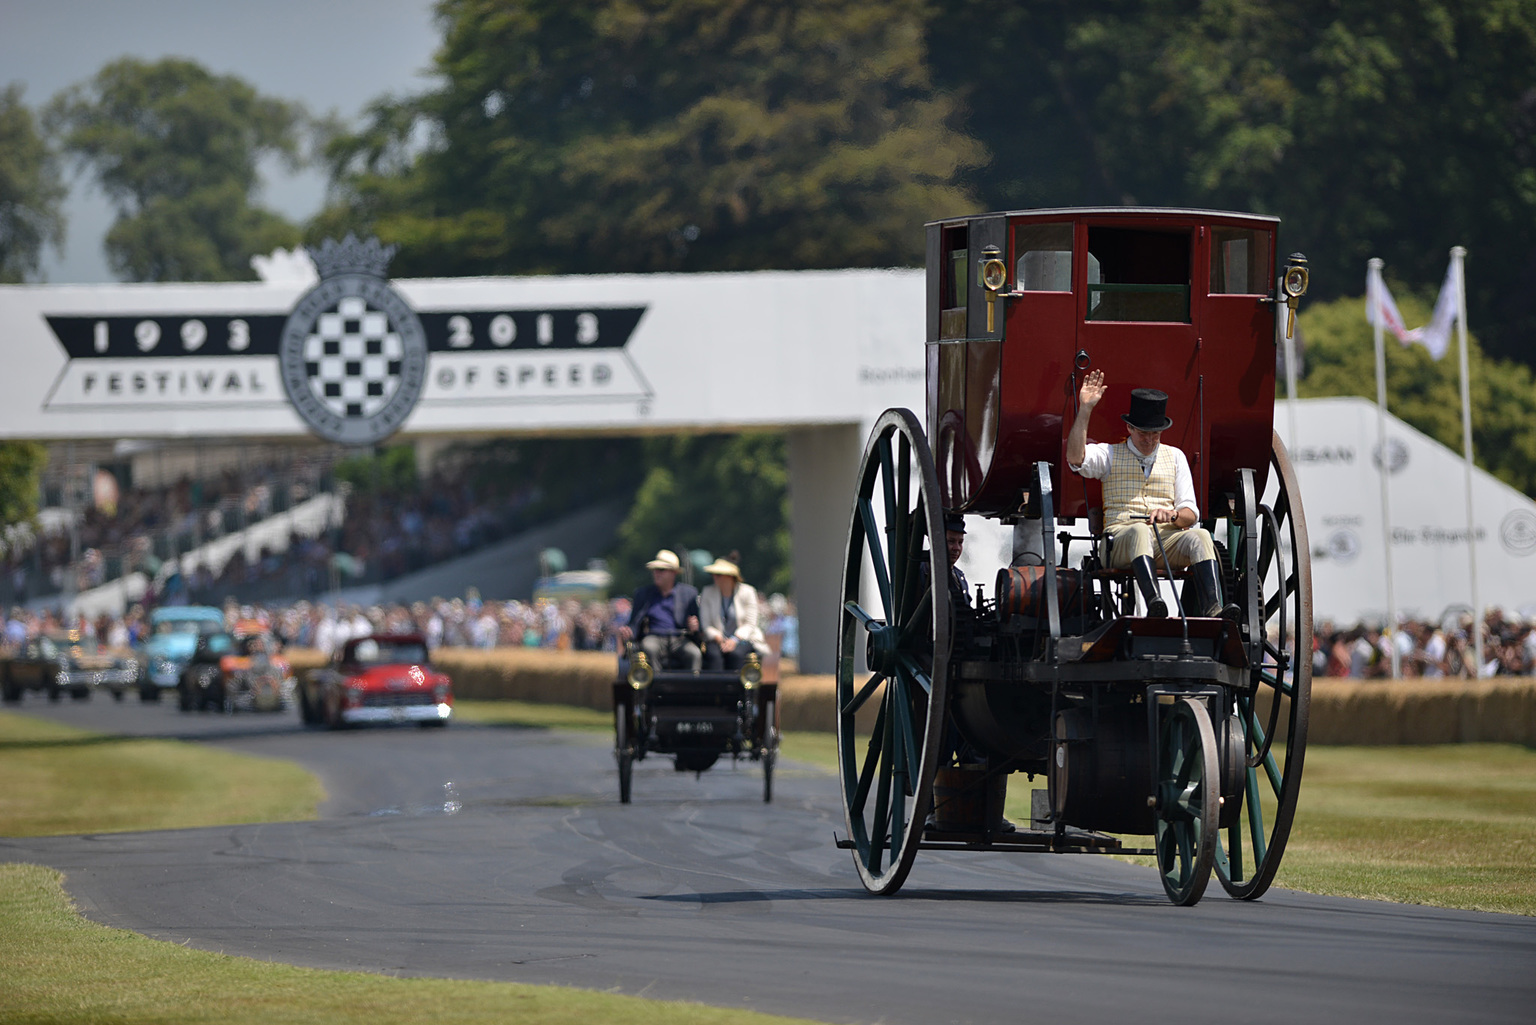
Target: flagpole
point(1390, 631)
point(1458, 254)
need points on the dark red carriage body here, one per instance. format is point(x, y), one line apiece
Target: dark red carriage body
point(1180, 300)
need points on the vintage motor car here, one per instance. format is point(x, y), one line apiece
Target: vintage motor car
point(258, 678)
point(695, 717)
point(201, 685)
point(67, 662)
point(233, 672)
point(382, 678)
point(174, 631)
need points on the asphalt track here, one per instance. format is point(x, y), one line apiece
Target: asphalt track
point(496, 853)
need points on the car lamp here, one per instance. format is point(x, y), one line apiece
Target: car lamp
point(751, 672)
point(640, 672)
point(994, 275)
point(1294, 284)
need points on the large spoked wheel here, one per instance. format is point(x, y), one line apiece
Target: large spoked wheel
point(1187, 800)
point(895, 614)
point(1274, 569)
point(623, 750)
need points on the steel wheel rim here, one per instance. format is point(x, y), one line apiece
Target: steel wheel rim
point(1250, 851)
point(1187, 807)
point(887, 780)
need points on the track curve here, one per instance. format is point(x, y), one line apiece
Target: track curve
point(492, 853)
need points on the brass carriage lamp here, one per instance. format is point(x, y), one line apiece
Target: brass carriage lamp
point(994, 275)
point(1295, 285)
point(751, 672)
point(640, 672)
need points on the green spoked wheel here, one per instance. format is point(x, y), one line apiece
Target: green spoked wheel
point(1187, 800)
point(1274, 571)
point(896, 623)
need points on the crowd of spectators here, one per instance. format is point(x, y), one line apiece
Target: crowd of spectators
point(116, 530)
point(467, 622)
point(396, 520)
point(1427, 649)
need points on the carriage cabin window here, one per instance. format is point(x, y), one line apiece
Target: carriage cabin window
point(1044, 261)
point(1239, 262)
point(955, 283)
point(1140, 275)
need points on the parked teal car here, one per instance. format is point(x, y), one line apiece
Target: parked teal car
point(173, 633)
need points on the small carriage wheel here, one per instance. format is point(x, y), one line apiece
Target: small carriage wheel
point(1187, 800)
point(623, 749)
point(897, 524)
point(770, 746)
point(1278, 587)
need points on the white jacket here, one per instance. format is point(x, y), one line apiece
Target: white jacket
point(712, 620)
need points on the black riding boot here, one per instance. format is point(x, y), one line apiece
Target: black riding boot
point(1146, 582)
point(1206, 577)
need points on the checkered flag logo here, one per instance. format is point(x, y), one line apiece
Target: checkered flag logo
point(353, 353)
point(353, 359)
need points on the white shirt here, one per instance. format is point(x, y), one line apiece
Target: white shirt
point(1098, 457)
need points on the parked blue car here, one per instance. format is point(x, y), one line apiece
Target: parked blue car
point(173, 633)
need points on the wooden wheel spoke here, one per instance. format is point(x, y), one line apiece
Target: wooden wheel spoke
point(871, 762)
point(918, 674)
point(1282, 684)
point(906, 765)
point(1255, 817)
point(877, 553)
point(901, 555)
point(894, 527)
point(918, 620)
point(857, 701)
point(854, 609)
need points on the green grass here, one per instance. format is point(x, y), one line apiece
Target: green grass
point(528, 714)
point(60, 968)
point(60, 780)
point(1452, 826)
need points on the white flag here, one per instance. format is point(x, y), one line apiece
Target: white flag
point(1436, 335)
point(1380, 309)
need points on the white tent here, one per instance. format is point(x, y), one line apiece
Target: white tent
point(1335, 453)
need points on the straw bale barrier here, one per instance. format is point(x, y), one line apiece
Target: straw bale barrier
point(1373, 712)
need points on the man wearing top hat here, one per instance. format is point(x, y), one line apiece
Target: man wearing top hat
point(1147, 485)
point(665, 616)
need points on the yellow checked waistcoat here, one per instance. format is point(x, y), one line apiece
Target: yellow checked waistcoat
point(1128, 492)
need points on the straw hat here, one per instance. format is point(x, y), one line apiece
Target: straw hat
point(723, 568)
point(665, 559)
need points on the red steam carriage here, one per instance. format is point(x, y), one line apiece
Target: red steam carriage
point(1189, 729)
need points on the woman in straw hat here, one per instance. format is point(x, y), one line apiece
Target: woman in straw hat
point(728, 614)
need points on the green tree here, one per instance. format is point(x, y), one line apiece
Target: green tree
point(30, 191)
point(21, 467)
point(721, 493)
point(646, 135)
point(176, 149)
point(1340, 360)
point(1391, 130)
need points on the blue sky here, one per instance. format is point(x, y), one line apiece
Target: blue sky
point(331, 55)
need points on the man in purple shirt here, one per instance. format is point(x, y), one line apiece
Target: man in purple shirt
point(665, 617)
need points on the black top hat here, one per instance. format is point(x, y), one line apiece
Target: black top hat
point(953, 521)
point(1148, 410)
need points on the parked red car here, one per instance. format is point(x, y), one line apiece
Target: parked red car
point(382, 678)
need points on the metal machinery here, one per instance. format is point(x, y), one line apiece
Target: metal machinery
point(1189, 730)
point(694, 717)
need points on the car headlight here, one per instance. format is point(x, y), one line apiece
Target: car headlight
point(640, 672)
point(751, 672)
